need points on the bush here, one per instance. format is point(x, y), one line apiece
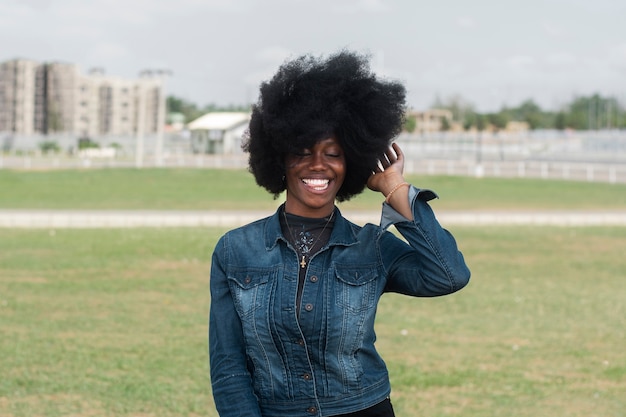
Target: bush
point(49, 147)
point(87, 143)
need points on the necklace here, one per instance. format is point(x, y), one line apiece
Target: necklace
point(303, 249)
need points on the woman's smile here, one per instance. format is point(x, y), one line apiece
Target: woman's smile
point(314, 177)
point(316, 184)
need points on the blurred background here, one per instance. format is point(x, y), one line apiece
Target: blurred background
point(101, 316)
point(534, 88)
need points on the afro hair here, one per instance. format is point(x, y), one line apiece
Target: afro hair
point(311, 98)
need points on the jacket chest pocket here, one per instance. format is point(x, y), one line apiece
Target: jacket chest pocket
point(356, 287)
point(249, 288)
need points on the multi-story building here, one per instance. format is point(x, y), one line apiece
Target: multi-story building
point(46, 98)
point(55, 91)
point(17, 92)
point(433, 120)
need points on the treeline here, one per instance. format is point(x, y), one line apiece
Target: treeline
point(583, 113)
point(179, 108)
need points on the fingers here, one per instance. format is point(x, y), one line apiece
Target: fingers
point(387, 159)
point(391, 155)
point(397, 150)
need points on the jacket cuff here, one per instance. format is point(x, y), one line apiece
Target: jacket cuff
point(390, 216)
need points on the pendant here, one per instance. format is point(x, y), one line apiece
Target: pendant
point(302, 262)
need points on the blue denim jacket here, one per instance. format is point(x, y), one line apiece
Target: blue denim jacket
point(265, 361)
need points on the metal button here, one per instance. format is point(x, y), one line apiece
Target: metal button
point(307, 376)
point(300, 342)
point(308, 307)
point(248, 280)
point(313, 278)
point(311, 410)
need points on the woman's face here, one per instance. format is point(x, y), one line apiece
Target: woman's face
point(314, 176)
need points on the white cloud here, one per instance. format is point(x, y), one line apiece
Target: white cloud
point(554, 30)
point(272, 54)
point(561, 59)
point(34, 4)
point(466, 22)
point(360, 6)
point(617, 57)
point(520, 62)
point(105, 52)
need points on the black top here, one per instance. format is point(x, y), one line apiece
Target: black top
point(307, 236)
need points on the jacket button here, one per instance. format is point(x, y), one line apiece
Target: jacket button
point(311, 410)
point(307, 377)
point(308, 307)
point(300, 342)
point(313, 278)
point(248, 280)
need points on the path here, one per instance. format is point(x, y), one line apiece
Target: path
point(228, 219)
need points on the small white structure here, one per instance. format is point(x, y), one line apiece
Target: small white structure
point(218, 132)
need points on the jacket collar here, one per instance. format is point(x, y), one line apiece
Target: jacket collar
point(343, 232)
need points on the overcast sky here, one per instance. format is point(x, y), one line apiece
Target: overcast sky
point(490, 52)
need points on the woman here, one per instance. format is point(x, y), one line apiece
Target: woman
point(294, 295)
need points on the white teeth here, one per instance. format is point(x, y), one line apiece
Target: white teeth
point(316, 184)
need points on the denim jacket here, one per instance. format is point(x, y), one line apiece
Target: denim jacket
point(267, 362)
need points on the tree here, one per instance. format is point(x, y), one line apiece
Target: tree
point(530, 113)
point(481, 122)
point(179, 105)
point(445, 124)
point(410, 123)
point(559, 121)
point(462, 110)
point(498, 120)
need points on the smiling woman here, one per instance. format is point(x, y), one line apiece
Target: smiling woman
point(294, 295)
point(314, 178)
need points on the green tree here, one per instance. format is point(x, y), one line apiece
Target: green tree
point(410, 123)
point(179, 105)
point(498, 120)
point(49, 146)
point(481, 122)
point(559, 121)
point(462, 111)
point(530, 113)
point(445, 124)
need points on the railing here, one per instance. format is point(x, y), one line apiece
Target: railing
point(560, 170)
point(585, 156)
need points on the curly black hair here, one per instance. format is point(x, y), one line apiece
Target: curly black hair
point(312, 98)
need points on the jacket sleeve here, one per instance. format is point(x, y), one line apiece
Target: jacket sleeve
point(429, 263)
point(230, 378)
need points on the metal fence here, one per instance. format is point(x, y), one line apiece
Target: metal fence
point(587, 156)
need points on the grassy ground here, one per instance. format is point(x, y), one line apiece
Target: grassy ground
point(197, 189)
point(97, 323)
point(113, 323)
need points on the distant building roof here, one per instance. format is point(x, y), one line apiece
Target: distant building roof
point(219, 121)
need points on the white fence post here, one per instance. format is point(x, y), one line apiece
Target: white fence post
point(590, 173)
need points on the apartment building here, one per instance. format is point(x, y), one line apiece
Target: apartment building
point(47, 98)
point(432, 120)
point(17, 93)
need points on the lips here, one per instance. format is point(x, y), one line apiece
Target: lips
point(316, 184)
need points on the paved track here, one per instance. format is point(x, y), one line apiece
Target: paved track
point(140, 218)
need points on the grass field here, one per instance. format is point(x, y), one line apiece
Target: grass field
point(197, 189)
point(97, 323)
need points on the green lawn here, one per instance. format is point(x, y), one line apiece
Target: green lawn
point(204, 189)
point(99, 323)
point(113, 323)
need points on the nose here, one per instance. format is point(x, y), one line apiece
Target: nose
point(318, 162)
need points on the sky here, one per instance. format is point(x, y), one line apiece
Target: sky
point(489, 53)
